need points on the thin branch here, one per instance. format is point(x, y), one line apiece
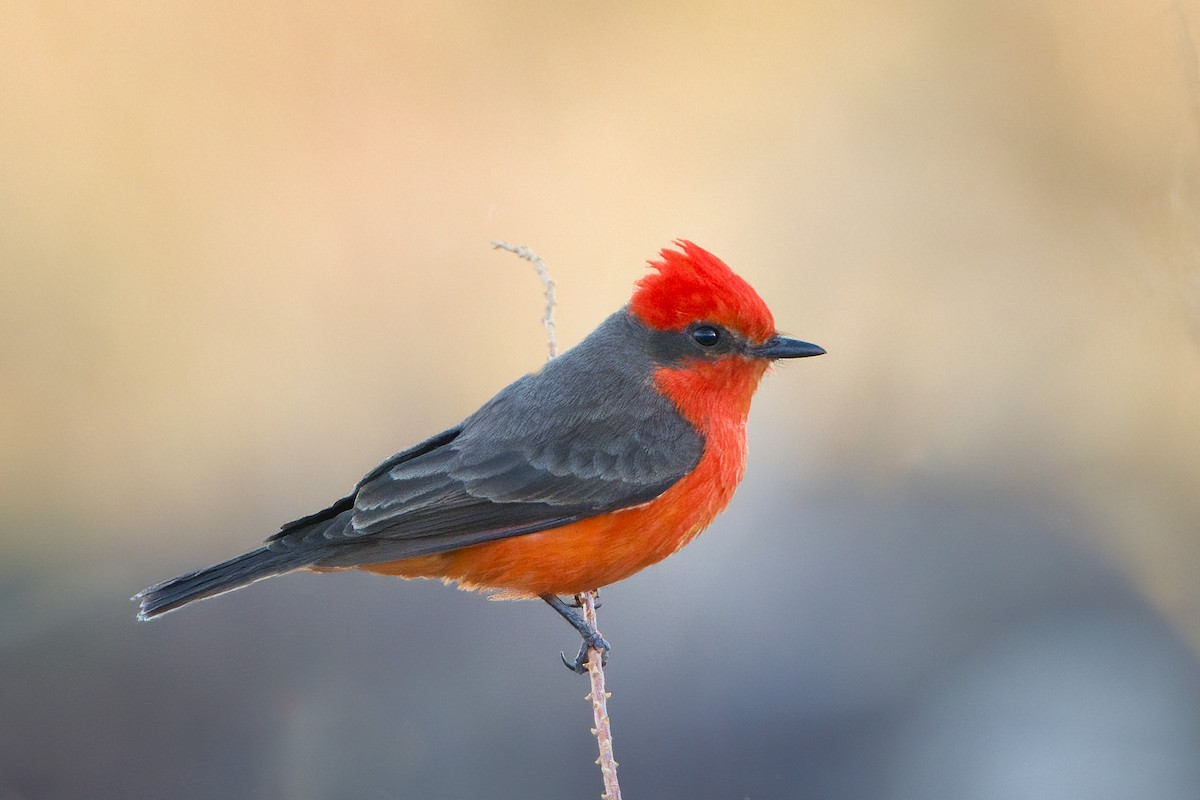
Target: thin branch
point(544, 273)
point(599, 698)
point(598, 695)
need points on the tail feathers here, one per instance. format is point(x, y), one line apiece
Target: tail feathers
point(232, 574)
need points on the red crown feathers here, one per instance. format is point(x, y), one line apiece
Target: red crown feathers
point(696, 286)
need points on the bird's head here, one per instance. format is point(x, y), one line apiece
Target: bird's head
point(721, 332)
point(694, 294)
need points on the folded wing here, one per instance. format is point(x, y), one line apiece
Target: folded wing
point(544, 452)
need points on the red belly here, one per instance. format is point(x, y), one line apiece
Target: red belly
point(591, 553)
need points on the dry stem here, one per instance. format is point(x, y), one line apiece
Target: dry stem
point(598, 696)
point(548, 320)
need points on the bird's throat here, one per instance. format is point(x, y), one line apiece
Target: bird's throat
point(712, 395)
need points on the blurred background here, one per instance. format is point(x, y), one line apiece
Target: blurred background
point(244, 256)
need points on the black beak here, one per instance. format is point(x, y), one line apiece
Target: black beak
point(780, 347)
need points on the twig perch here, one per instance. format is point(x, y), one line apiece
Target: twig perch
point(524, 252)
point(598, 696)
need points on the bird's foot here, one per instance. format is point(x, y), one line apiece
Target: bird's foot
point(590, 643)
point(592, 640)
point(578, 601)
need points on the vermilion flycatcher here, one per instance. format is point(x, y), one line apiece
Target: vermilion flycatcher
point(608, 459)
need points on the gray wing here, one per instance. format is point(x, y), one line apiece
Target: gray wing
point(585, 436)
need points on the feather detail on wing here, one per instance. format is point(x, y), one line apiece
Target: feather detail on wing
point(587, 435)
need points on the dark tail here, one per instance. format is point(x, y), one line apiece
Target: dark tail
point(233, 574)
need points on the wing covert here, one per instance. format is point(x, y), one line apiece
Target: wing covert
point(586, 435)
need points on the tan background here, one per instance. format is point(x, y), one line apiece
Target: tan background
point(244, 256)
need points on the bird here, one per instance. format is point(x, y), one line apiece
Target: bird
point(608, 459)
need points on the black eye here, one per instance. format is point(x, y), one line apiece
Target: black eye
point(706, 335)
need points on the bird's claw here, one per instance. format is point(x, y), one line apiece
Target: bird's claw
point(577, 602)
point(594, 642)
